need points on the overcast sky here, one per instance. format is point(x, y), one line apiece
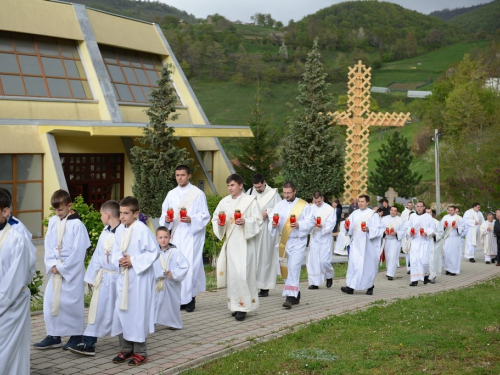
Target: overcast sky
point(284, 10)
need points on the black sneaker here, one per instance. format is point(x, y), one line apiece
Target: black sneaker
point(347, 290)
point(264, 293)
point(369, 291)
point(472, 260)
point(82, 349)
point(49, 342)
point(240, 315)
point(329, 283)
point(73, 341)
point(191, 305)
point(313, 287)
point(414, 283)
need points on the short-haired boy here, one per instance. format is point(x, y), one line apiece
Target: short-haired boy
point(16, 262)
point(171, 268)
point(66, 243)
point(102, 275)
point(135, 250)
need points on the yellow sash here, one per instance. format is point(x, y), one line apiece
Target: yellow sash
point(287, 229)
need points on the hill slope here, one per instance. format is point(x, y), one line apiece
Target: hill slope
point(448, 14)
point(372, 24)
point(152, 11)
point(483, 19)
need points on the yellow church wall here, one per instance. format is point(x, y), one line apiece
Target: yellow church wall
point(40, 17)
point(221, 172)
point(45, 110)
point(122, 32)
point(21, 139)
point(134, 113)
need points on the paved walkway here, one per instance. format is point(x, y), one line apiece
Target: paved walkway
point(211, 332)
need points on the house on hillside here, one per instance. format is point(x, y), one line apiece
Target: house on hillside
point(74, 85)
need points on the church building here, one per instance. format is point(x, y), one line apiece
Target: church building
point(74, 85)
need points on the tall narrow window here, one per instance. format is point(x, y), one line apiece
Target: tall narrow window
point(22, 175)
point(134, 74)
point(39, 66)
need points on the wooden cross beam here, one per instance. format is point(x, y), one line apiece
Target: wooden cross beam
point(358, 119)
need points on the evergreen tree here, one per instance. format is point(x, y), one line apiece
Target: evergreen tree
point(312, 156)
point(394, 168)
point(258, 153)
point(154, 163)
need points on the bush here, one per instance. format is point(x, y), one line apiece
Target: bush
point(212, 246)
point(400, 207)
point(91, 218)
point(35, 285)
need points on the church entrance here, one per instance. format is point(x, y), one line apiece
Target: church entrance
point(96, 177)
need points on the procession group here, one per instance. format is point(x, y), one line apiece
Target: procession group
point(139, 280)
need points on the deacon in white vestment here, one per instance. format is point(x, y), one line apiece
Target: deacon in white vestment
point(17, 225)
point(188, 233)
point(488, 239)
point(365, 231)
point(292, 239)
point(419, 229)
point(319, 266)
point(436, 251)
point(16, 264)
point(134, 315)
point(236, 265)
point(394, 233)
point(66, 254)
point(454, 229)
point(342, 241)
point(171, 268)
point(267, 256)
point(405, 241)
point(473, 218)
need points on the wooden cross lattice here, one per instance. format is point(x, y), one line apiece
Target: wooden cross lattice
point(358, 119)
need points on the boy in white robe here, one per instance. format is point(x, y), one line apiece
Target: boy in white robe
point(319, 266)
point(188, 233)
point(134, 251)
point(342, 241)
point(101, 275)
point(267, 257)
point(454, 229)
point(488, 240)
point(474, 219)
point(292, 239)
point(237, 261)
point(66, 244)
point(16, 264)
point(365, 231)
point(394, 232)
point(420, 229)
point(171, 268)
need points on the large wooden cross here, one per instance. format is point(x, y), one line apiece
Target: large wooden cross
point(358, 119)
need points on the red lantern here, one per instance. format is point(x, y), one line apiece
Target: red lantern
point(363, 225)
point(222, 218)
point(347, 224)
point(170, 214)
point(293, 219)
point(237, 214)
point(412, 231)
point(318, 221)
point(183, 212)
point(276, 219)
point(421, 231)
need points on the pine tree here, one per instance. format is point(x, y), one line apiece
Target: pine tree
point(154, 163)
point(258, 154)
point(312, 156)
point(394, 168)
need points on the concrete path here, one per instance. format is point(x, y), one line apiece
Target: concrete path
point(211, 332)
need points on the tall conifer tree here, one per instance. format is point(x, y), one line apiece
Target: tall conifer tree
point(258, 154)
point(312, 156)
point(154, 163)
point(394, 168)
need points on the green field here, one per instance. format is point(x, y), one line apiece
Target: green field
point(454, 332)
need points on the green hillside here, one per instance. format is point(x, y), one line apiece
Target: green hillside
point(153, 11)
point(484, 19)
point(448, 14)
point(372, 25)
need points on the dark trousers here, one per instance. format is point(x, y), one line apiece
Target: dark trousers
point(131, 346)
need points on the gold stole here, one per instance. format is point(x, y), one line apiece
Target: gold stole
point(287, 229)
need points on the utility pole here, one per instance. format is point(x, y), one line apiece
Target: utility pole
point(436, 162)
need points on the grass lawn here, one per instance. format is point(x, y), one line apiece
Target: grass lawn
point(454, 332)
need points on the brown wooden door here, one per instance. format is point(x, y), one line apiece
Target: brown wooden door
point(96, 177)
